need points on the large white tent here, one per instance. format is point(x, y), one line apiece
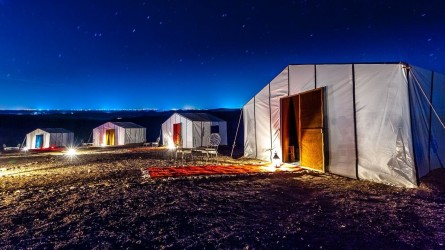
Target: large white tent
point(378, 121)
point(192, 129)
point(118, 133)
point(49, 137)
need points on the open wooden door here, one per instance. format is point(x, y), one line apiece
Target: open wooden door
point(311, 130)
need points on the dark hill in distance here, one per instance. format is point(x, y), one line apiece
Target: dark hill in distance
point(15, 124)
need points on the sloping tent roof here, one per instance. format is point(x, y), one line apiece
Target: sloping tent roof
point(384, 120)
point(51, 137)
point(127, 125)
point(195, 129)
point(201, 117)
point(56, 130)
point(126, 133)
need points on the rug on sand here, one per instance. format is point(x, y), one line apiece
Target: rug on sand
point(160, 172)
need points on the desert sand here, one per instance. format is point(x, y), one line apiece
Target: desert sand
point(104, 199)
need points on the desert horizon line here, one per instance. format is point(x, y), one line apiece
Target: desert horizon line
point(123, 109)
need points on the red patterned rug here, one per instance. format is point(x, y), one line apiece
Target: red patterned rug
point(161, 172)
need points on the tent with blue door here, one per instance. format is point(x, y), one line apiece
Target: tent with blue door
point(382, 122)
point(49, 137)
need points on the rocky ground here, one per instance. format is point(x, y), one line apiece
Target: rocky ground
point(102, 200)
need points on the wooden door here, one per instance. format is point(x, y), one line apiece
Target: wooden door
point(311, 130)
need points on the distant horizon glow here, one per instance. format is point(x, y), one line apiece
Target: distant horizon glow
point(144, 54)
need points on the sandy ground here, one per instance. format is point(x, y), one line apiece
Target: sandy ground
point(102, 200)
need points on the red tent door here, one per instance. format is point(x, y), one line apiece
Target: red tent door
point(311, 130)
point(177, 134)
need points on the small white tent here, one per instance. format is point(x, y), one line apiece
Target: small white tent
point(118, 133)
point(192, 129)
point(382, 121)
point(49, 137)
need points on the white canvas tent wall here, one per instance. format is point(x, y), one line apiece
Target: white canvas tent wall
point(195, 129)
point(384, 122)
point(124, 133)
point(51, 137)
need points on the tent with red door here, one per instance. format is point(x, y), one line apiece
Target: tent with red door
point(379, 121)
point(118, 133)
point(49, 137)
point(191, 130)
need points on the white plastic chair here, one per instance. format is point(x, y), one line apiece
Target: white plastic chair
point(212, 150)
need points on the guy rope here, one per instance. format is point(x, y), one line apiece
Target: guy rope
point(236, 134)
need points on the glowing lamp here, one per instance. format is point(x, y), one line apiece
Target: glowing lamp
point(71, 152)
point(276, 160)
point(25, 149)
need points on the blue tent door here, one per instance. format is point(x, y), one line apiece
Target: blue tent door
point(39, 141)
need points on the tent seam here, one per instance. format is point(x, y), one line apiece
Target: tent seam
point(254, 120)
point(355, 121)
point(315, 76)
point(270, 125)
point(430, 120)
point(408, 73)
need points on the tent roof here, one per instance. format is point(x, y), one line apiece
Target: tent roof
point(127, 125)
point(56, 130)
point(201, 117)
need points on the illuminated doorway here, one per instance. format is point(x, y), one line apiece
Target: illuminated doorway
point(177, 134)
point(109, 136)
point(302, 129)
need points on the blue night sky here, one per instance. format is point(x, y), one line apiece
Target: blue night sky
point(109, 54)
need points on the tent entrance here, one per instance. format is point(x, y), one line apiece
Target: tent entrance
point(39, 141)
point(109, 137)
point(177, 134)
point(289, 127)
point(302, 129)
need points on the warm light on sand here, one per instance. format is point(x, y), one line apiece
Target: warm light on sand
point(171, 145)
point(71, 153)
point(282, 167)
point(3, 172)
point(270, 168)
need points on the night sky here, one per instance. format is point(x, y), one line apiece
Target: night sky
point(132, 54)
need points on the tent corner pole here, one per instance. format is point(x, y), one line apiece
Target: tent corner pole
point(236, 134)
point(408, 73)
